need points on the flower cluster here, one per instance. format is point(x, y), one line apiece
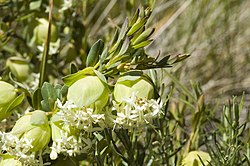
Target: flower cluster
point(81, 118)
point(132, 112)
point(18, 147)
point(70, 145)
point(135, 112)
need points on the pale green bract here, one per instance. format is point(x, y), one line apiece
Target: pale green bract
point(38, 133)
point(194, 159)
point(7, 93)
point(89, 91)
point(129, 84)
point(19, 67)
point(9, 99)
point(40, 32)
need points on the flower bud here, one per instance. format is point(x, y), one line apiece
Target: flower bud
point(133, 82)
point(19, 67)
point(7, 93)
point(89, 91)
point(195, 157)
point(34, 127)
point(41, 31)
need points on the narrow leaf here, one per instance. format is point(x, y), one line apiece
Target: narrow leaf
point(36, 99)
point(137, 34)
point(103, 56)
point(124, 29)
point(125, 46)
point(18, 100)
point(137, 26)
point(135, 17)
point(142, 44)
point(144, 36)
point(94, 53)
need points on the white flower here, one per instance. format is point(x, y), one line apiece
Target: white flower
point(135, 112)
point(19, 148)
point(81, 118)
point(70, 145)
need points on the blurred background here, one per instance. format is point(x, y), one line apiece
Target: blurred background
point(217, 35)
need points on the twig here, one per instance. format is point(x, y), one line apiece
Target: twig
point(46, 48)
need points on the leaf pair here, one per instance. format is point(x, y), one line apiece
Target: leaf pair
point(46, 97)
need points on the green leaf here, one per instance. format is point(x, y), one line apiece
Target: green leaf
point(137, 34)
point(103, 56)
point(137, 26)
point(100, 76)
point(144, 36)
point(64, 90)
point(123, 31)
point(178, 58)
point(38, 118)
point(50, 95)
point(164, 61)
point(45, 106)
point(124, 47)
point(17, 101)
point(135, 17)
point(94, 53)
point(114, 39)
point(142, 44)
point(98, 136)
point(36, 99)
point(48, 92)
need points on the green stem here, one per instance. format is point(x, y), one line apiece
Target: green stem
point(46, 49)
